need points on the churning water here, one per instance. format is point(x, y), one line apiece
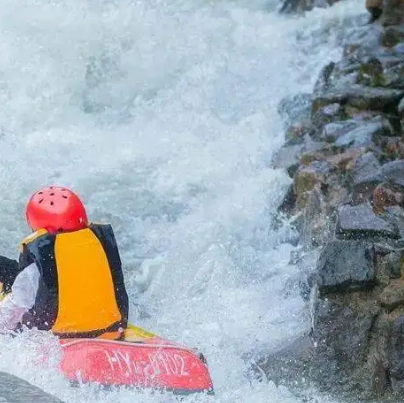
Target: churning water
point(163, 116)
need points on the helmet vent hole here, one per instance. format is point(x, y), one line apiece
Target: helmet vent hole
point(40, 201)
point(65, 197)
point(52, 203)
point(52, 194)
point(40, 193)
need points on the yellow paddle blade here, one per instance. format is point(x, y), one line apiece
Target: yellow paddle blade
point(134, 333)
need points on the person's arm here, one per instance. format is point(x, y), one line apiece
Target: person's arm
point(21, 299)
point(9, 269)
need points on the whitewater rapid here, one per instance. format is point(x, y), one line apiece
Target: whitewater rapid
point(163, 116)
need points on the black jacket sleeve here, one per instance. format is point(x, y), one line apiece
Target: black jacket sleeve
point(9, 270)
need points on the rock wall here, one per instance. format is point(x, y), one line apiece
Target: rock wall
point(346, 158)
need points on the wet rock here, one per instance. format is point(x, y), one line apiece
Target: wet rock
point(300, 6)
point(392, 36)
point(290, 366)
point(336, 196)
point(367, 165)
point(314, 225)
point(362, 46)
point(296, 132)
point(323, 82)
point(315, 151)
point(390, 262)
point(343, 198)
point(385, 196)
point(289, 201)
point(17, 390)
point(393, 172)
point(342, 333)
point(360, 97)
point(306, 178)
point(360, 222)
point(295, 108)
point(375, 8)
point(393, 75)
point(326, 114)
point(393, 13)
point(392, 296)
point(311, 145)
point(355, 113)
point(338, 360)
point(374, 98)
point(332, 131)
point(288, 158)
point(397, 350)
point(364, 177)
point(294, 6)
point(345, 265)
point(378, 358)
point(342, 161)
point(395, 215)
point(371, 73)
point(362, 136)
point(401, 109)
point(399, 49)
point(392, 147)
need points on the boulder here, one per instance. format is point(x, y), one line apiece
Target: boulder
point(345, 265)
point(395, 215)
point(314, 223)
point(392, 147)
point(364, 177)
point(360, 222)
point(393, 75)
point(393, 12)
point(371, 73)
point(389, 262)
point(288, 158)
point(401, 109)
point(397, 350)
point(324, 80)
point(295, 108)
point(307, 178)
point(367, 165)
point(363, 135)
point(393, 172)
point(342, 332)
point(332, 131)
point(326, 114)
point(392, 296)
point(386, 195)
point(375, 8)
point(17, 390)
point(296, 132)
point(380, 99)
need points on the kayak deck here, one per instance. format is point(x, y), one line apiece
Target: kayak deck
point(142, 360)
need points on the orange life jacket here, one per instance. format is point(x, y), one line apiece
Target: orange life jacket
point(81, 289)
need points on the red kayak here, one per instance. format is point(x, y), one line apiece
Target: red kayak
point(143, 360)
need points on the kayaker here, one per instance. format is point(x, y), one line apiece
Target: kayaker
point(69, 278)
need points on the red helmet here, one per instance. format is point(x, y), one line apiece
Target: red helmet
point(56, 209)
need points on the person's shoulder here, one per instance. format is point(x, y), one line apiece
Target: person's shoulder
point(33, 237)
point(102, 226)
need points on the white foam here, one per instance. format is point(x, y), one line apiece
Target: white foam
point(175, 154)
